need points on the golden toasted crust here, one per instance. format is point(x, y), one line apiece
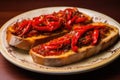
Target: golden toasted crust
point(84, 52)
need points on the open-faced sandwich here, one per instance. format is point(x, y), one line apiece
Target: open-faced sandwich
point(62, 37)
point(82, 42)
point(27, 33)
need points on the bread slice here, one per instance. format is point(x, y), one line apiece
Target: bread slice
point(83, 52)
point(28, 42)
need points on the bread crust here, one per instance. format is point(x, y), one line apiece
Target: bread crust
point(84, 52)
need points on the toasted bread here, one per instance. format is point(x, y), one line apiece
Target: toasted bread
point(27, 43)
point(83, 52)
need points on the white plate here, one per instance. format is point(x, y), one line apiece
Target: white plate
point(23, 59)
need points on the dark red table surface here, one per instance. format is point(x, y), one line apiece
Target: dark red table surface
point(11, 8)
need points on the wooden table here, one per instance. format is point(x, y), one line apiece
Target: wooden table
point(11, 8)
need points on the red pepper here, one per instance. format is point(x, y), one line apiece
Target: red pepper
point(95, 36)
point(26, 28)
point(69, 22)
point(75, 19)
point(21, 25)
point(80, 32)
point(69, 12)
point(74, 41)
point(87, 27)
point(57, 43)
point(50, 47)
point(80, 19)
point(50, 23)
point(38, 20)
point(63, 40)
point(49, 27)
point(51, 17)
point(53, 26)
point(53, 45)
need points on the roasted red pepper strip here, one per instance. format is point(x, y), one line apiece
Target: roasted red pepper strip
point(69, 22)
point(26, 28)
point(50, 47)
point(21, 25)
point(38, 20)
point(95, 36)
point(49, 27)
point(53, 26)
point(75, 19)
point(51, 17)
point(63, 40)
point(46, 23)
point(74, 41)
point(80, 32)
point(57, 43)
point(80, 19)
point(87, 27)
point(69, 13)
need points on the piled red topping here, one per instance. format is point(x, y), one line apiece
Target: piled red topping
point(81, 35)
point(49, 23)
point(78, 37)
